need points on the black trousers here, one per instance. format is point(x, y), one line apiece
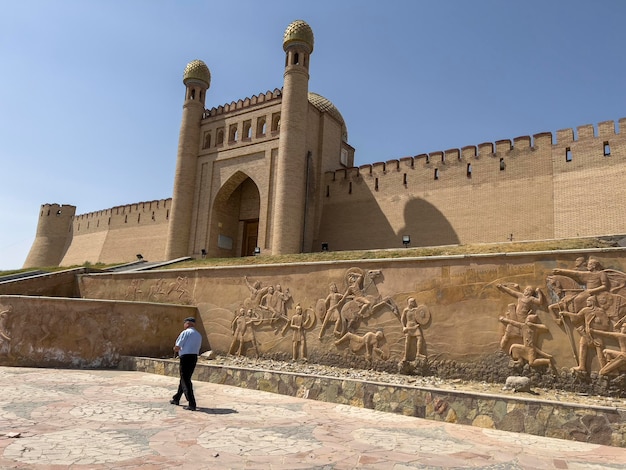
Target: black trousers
point(187, 366)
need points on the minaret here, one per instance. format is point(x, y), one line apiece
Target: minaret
point(197, 79)
point(289, 204)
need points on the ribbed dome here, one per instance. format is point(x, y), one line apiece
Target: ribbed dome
point(325, 106)
point(298, 31)
point(197, 70)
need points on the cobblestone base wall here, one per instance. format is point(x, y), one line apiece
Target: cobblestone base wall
point(594, 424)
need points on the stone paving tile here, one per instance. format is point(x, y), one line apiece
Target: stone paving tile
point(90, 419)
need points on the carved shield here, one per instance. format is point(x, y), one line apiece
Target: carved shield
point(320, 309)
point(422, 315)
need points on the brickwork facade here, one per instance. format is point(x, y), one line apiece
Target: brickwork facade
point(275, 172)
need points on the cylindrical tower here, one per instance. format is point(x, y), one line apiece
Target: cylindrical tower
point(54, 234)
point(197, 79)
point(289, 204)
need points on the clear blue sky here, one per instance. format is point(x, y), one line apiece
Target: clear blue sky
point(91, 91)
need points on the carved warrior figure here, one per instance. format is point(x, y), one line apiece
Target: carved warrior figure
point(268, 304)
point(607, 285)
point(528, 351)
point(297, 325)
point(327, 309)
point(361, 299)
point(526, 305)
point(243, 333)
point(615, 360)
point(134, 288)
point(256, 293)
point(587, 321)
point(371, 341)
point(412, 318)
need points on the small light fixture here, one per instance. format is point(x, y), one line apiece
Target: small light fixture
point(139, 256)
point(257, 250)
point(406, 239)
point(203, 251)
point(324, 246)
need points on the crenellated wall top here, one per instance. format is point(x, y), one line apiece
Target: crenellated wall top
point(154, 205)
point(243, 103)
point(605, 129)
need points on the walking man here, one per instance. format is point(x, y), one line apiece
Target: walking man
point(188, 347)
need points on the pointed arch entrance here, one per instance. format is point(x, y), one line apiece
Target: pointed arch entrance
point(234, 227)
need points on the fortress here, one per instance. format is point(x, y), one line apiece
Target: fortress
point(276, 172)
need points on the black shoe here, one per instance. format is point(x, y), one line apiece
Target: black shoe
point(190, 408)
point(174, 402)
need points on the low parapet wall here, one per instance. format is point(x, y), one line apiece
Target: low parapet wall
point(62, 332)
point(450, 314)
point(594, 424)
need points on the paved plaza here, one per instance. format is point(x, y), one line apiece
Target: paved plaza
point(106, 419)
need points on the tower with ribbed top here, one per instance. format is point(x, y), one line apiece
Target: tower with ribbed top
point(289, 202)
point(197, 79)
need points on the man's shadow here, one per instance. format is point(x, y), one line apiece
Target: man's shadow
point(216, 411)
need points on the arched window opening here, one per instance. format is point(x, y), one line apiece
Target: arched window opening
point(502, 164)
point(607, 149)
point(296, 59)
point(376, 184)
point(219, 140)
point(261, 126)
point(232, 133)
point(436, 173)
point(568, 154)
point(247, 130)
point(276, 122)
point(469, 170)
point(404, 180)
point(207, 140)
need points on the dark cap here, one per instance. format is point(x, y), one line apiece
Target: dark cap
point(190, 319)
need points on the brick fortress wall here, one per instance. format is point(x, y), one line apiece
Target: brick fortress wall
point(531, 188)
point(120, 233)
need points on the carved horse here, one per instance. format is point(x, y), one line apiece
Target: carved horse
point(569, 296)
point(362, 299)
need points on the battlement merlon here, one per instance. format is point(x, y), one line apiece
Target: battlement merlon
point(54, 209)
point(146, 206)
point(254, 100)
point(606, 129)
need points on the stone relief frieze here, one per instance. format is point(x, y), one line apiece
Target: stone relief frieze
point(585, 305)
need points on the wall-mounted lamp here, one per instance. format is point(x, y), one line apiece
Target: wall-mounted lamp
point(406, 239)
point(203, 251)
point(139, 256)
point(324, 246)
point(257, 250)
